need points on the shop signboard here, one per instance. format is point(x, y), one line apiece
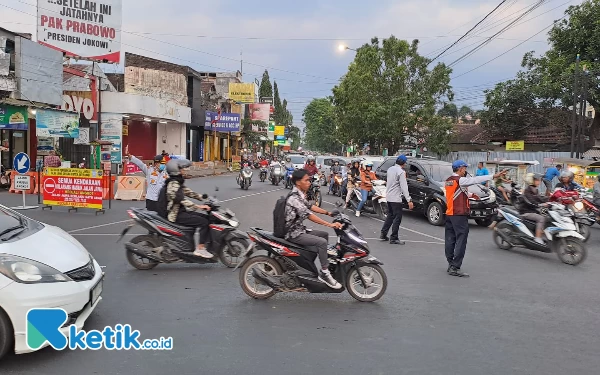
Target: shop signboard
point(259, 112)
point(112, 130)
point(51, 123)
point(12, 117)
point(241, 92)
point(87, 30)
point(279, 130)
point(515, 145)
point(73, 187)
point(225, 122)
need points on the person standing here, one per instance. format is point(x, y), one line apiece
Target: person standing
point(397, 187)
point(156, 175)
point(457, 214)
point(551, 173)
point(482, 171)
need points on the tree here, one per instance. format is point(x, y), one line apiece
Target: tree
point(464, 111)
point(439, 136)
point(389, 92)
point(265, 90)
point(250, 135)
point(449, 110)
point(320, 131)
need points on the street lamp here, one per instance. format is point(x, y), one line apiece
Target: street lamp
point(343, 47)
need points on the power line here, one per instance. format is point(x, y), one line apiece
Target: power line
point(467, 33)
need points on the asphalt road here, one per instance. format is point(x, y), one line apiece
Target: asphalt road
point(520, 312)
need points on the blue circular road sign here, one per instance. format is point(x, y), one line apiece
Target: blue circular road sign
point(21, 163)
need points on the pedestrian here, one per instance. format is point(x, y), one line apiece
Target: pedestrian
point(52, 160)
point(482, 171)
point(156, 175)
point(397, 188)
point(457, 214)
point(551, 173)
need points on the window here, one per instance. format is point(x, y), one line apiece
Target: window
point(297, 159)
point(386, 165)
point(414, 171)
point(440, 172)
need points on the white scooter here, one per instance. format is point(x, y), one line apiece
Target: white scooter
point(376, 202)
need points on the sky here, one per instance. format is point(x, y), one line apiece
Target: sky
point(297, 40)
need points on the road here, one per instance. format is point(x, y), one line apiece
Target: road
point(520, 312)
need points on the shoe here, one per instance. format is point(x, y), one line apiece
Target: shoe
point(448, 270)
point(453, 271)
point(397, 242)
point(203, 253)
point(357, 213)
point(332, 250)
point(325, 276)
point(383, 237)
point(539, 240)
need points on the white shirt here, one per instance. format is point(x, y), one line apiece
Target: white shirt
point(155, 180)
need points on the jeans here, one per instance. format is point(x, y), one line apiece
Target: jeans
point(151, 205)
point(194, 219)
point(365, 195)
point(315, 242)
point(457, 232)
point(331, 183)
point(539, 219)
point(394, 219)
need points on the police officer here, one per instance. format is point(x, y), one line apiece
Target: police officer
point(457, 214)
point(156, 175)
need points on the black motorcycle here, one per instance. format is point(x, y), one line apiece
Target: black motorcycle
point(287, 267)
point(263, 174)
point(314, 192)
point(167, 242)
point(514, 194)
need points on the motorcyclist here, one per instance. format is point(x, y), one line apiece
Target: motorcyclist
point(531, 203)
point(311, 166)
point(264, 162)
point(335, 169)
point(174, 206)
point(353, 175)
point(366, 184)
point(275, 162)
point(288, 165)
point(597, 192)
point(566, 181)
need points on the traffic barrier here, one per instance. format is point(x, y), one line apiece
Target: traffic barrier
point(33, 183)
point(108, 192)
point(130, 188)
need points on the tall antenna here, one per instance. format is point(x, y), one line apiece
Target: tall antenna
point(242, 63)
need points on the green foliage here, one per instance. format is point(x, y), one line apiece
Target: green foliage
point(321, 134)
point(449, 110)
point(464, 111)
point(389, 92)
point(439, 136)
point(251, 136)
point(265, 90)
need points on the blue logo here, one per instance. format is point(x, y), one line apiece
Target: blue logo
point(47, 325)
point(21, 163)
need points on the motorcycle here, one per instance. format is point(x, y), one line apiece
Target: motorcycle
point(4, 178)
point(376, 202)
point(592, 208)
point(244, 179)
point(276, 174)
point(337, 185)
point(573, 202)
point(561, 233)
point(322, 179)
point(514, 194)
point(314, 192)
point(263, 174)
point(288, 267)
point(288, 178)
point(167, 242)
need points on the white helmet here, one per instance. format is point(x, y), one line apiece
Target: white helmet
point(531, 177)
point(367, 163)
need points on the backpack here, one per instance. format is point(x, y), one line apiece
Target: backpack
point(279, 228)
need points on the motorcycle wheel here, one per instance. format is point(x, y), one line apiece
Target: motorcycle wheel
point(140, 262)
point(500, 242)
point(382, 210)
point(584, 230)
point(318, 198)
point(246, 186)
point(231, 251)
point(375, 278)
point(571, 251)
point(248, 282)
point(484, 222)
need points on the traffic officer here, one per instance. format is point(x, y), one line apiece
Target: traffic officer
point(457, 214)
point(156, 175)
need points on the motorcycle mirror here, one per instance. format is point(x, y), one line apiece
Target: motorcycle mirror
point(204, 196)
point(216, 188)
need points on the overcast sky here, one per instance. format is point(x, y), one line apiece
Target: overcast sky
point(209, 35)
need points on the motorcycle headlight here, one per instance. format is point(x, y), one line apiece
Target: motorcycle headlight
point(491, 194)
point(578, 206)
point(234, 223)
point(27, 271)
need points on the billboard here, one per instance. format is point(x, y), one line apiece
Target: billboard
point(12, 117)
point(224, 122)
point(51, 123)
point(112, 130)
point(241, 92)
point(259, 112)
point(39, 73)
point(87, 30)
point(73, 187)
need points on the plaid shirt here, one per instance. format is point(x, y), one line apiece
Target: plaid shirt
point(297, 210)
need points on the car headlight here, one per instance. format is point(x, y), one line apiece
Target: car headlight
point(579, 206)
point(492, 196)
point(234, 223)
point(29, 271)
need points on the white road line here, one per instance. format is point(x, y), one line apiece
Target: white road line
point(125, 221)
point(408, 229)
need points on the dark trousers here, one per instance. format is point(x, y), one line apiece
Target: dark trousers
point(151, 205)
point(457, 232)
point(316, 241)
point(196, 220)
point(394, 219)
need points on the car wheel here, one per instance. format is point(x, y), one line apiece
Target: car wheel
point(435, 214)
point(6, 334)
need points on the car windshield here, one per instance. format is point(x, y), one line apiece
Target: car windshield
point(298, 159)
point(439, 172)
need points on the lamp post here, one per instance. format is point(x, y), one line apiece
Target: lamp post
point(343, 47)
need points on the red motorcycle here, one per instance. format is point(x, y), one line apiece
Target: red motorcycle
point(574, 202)
point(593, 209)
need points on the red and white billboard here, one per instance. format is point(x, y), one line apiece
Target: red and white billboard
point(73, 187)
point(88, 30)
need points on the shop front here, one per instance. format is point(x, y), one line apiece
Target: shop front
point(14, 132)
point(221, 136)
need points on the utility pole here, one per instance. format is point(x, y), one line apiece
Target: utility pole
point(575, 101)
point(582, 115)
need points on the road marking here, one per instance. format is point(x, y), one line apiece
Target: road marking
point(125, 221)
point(408, 229)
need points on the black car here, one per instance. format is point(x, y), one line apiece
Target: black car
point(426, 179)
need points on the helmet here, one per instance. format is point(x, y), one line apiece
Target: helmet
point(158, 158)
point(174, 166)
point(459, 164)
point(567, 174)
point(310, 158)
point(367, 163)
point(336, 161)
point(287, 158)
point(401, 159)
point(531, 177)
point(355, 161)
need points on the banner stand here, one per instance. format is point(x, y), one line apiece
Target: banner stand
point(73, 188)
point(24, 207)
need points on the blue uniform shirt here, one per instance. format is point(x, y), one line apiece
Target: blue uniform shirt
point(482, 172)
point(551, 173)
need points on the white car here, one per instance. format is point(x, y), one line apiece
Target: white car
point(42, 266)
point(297, 160)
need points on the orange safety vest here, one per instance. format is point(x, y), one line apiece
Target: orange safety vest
point(457, 198)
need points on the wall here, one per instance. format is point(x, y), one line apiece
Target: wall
point(141, 139)
point(118, 102)
point(472, 158)
point(171, 138)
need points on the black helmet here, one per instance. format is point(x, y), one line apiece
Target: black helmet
point(174, 166)
point(158, 158)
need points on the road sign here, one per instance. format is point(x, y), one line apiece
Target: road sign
point(21, 163)
point(22, 182)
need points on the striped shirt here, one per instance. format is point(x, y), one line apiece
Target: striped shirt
point(155, 179)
